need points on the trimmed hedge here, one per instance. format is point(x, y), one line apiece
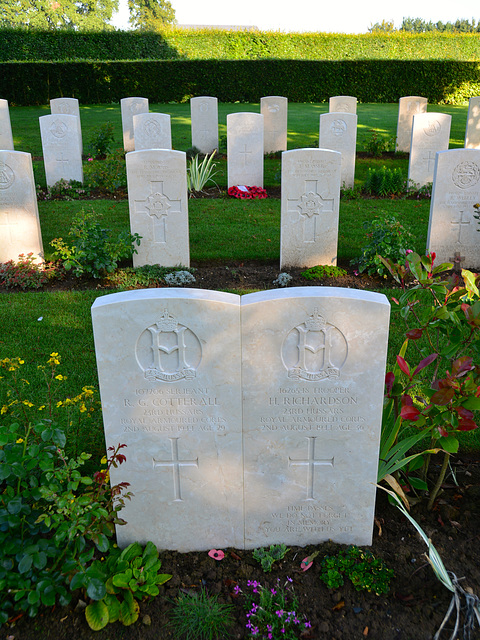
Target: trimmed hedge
point(29, 45)
point(446, 82)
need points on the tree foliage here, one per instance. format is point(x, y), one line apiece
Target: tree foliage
point(55, 14)
point(418, 25)
point(150, 15)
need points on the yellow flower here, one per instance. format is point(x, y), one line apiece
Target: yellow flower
point(83, 408)
point(27, 403)
point(4, 409)
point(54, 354)
point(42, 407)
point(59, 403)
point(59, 377)
point(103, 460)
point(19, 441)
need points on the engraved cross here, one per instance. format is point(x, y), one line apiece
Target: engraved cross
point(309, 206)
point(6, 221)
point(429, 160)
point(460, 223)
point(311, 462)
point(158, 206)
point(175, 463)
point(245, 153)
point(63, 160)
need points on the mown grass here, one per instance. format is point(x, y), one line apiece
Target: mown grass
point(36, 324)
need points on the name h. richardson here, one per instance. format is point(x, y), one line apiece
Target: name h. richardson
point(312, 401)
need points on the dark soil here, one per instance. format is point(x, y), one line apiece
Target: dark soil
point(413, 609)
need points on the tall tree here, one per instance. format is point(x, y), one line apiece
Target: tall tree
point(385, 26)
point(150, 15)
point(58, 14)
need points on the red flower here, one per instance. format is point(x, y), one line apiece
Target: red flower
point(216, 554)
point(247, 193)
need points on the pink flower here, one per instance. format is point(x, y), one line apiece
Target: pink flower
point(90, 159)
point(306, 563)
point(216, 554)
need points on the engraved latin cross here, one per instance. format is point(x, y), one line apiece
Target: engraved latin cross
point(309, 206)
point(175, 463)
point(158, 206)
point(311, 462)
point(459, 223)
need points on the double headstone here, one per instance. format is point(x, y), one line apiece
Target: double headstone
point(157, 198)
point(204, 119)
point(245, 149)
point(430, 133)
point(453, 231)
point(130, 107)
point(309, 207)
point(62, 148)
point(6, 137)
point(342, 104)
point(338, 132)
point(19, 222)
point(408, 106)
point(152, 131)
point(472, 131)
point(275, 114)
point(248, 421)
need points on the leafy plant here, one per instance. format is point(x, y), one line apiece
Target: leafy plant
point(101, 140)
point(179, 278)
point(376, 146)
point(199, 174)
point(442, 318)
point(199, 616)
point(283, 279)
point(384, 182)
point(365, 572)
point(321, 271)
point(275, 615)
point(92, 252)
point(116, 584)
point(267, 557)
point(387, 238)
point(108, 174)
point(63, 190)
point(26, 273)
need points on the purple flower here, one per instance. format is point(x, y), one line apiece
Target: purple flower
point(273, 591)
point(236, 589)
point(279, 613)
point(308, 624)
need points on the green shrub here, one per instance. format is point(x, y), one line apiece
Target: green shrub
point(108, 174)
point(91, 250)
point(385, 182)
point(388, 239)
point(101, 140)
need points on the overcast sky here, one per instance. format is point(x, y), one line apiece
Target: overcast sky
point(311, 15)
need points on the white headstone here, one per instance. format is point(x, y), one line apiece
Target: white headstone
point(313, 381)
point(204, 118)
point(408, 106)
point(157, 198)
point(430, 133)
point(152, 131)
point(67, 106)
point(130, 107)
point(472, 132)
point(62, 150)
point(275, 114)
point(170, 381)
point(338, 132)
point(245, 149)
point(19, 223)
point(6, 137)
point(309, 207)
point(453, 231)
point(343, 104)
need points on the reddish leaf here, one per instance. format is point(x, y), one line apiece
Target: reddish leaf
point(466, 424)
point(461, 366)
point(409, 413)
point(425, 362)
point(442, 431)
point(414, 334)
point(443, 396)
point(407, 401)
point(389, 380)
point(403, 366)
point(464, 413)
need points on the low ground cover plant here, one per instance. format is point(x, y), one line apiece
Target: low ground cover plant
point(387, 239)
point(366, 572)
point(199, 616)
point(321, 271)
point(267, 557)
point(27, 272)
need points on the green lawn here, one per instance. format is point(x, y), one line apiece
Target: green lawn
point(35, 324)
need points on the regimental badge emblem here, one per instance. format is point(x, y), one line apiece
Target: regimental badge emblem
point(168, 351)
point(465, 175)
point(58, 129)
point(7, 176)
point(314, 350)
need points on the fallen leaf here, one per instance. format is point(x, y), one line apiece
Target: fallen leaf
point(339, 605)
point(365, 632)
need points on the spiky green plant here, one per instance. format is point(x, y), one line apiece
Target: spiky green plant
point(200, 173)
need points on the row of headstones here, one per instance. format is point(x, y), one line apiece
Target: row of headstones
point(311, 180)
point(248, 421)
